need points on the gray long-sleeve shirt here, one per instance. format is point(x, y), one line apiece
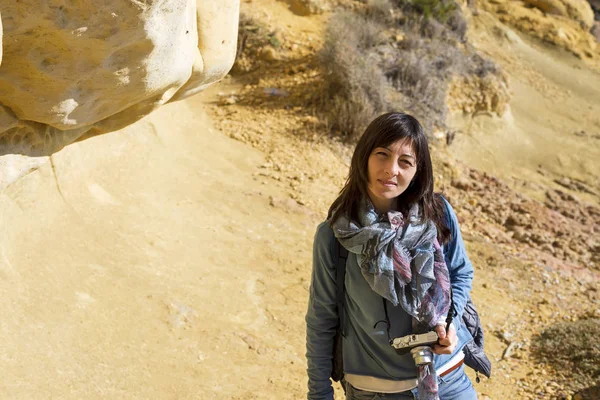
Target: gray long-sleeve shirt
point(366, 349)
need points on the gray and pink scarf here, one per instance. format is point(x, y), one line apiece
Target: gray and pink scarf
point(401, 259)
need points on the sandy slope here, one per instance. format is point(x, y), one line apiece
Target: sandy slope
point(146, 264)
point(555, 96)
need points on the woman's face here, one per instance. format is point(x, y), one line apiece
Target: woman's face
point(390, 170)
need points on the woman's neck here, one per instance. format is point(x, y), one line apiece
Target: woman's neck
point(382, 206)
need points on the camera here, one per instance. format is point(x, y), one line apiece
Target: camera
point(403, 345)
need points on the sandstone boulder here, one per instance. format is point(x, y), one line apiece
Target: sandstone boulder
point(71, 70)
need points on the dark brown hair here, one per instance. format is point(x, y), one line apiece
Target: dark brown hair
point(382, 132)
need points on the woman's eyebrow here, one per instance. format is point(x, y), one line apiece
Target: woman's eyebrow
point(401, 155)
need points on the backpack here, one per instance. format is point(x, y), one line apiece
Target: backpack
point(475, 356)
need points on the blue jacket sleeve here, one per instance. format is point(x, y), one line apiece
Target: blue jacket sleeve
point(459, 265)
point(321, 317)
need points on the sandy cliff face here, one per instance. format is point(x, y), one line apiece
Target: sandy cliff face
point(577, 10)
point(564, 23)
point(71, 71)
point(472, 94)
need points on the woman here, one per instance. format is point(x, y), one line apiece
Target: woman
point(405, 251)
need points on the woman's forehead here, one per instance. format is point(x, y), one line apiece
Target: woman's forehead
point(402, 146)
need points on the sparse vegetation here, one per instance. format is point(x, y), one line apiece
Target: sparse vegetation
point(355, 84)
point(573, 347)
point(440, 10)
point(395, 55)
point(252, 38)
point(382, 10)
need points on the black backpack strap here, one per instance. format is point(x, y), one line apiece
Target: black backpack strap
point(337, 366)
point(451, 311)
point(341, 255)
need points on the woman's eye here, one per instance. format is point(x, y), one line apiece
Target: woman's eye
point(406, 162)
point(381, 153)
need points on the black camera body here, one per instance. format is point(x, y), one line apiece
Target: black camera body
point(403, 345)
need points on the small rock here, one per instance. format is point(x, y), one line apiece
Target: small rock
point(507, 336)
point(548, 249)
point(513, 221)
point(462, 184)
point(268, 53)
point(521, 235)
point(307, 7)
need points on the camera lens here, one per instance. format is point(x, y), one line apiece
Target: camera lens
point(422, 355)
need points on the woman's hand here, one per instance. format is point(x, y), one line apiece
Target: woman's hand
point(448, 340)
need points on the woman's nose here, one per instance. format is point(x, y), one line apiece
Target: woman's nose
point(392, 168)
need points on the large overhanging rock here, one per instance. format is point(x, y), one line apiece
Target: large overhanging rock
point(74, 69)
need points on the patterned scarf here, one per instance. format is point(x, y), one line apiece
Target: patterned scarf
point(401, 259)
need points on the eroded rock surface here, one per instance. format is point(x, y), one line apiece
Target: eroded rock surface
point(74, 70)
point(565, 23)
point(578, 10)
point(472, 94)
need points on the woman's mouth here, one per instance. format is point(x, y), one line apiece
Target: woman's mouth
point(388, 183)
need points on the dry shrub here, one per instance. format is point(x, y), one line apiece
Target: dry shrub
point(393, 59)
point(573, 348)
point(253, 36)
point(458, 25)
point(439, 10)
point(422, 68)
point(483, 67)
point(381, 10)
point(355, 85)
point(413, 76)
